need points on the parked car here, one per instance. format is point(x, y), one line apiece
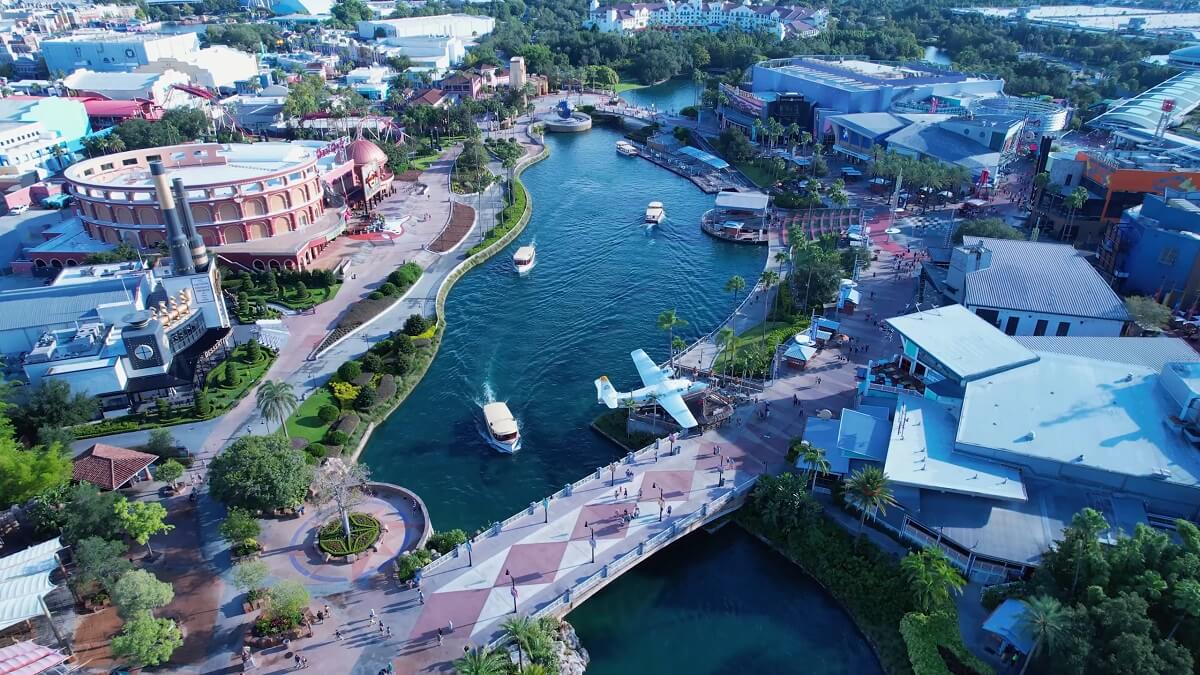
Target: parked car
point(18, 209)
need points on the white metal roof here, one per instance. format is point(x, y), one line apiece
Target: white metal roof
point(750, 201)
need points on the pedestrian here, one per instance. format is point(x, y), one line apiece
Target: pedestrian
point(391, 668)
point(302, 509)
point(639, 494)
point(337, 633)
point(624, 492)
point(439, 637)
point(296, 657)
point(388, 633)
point(616, 494)
point(668, 511)
point(451, 626)
point(381, 628)
point(372, 617)
point(818, 380)
point(420, 596)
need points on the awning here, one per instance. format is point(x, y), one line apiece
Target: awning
point(13, 612)
point(851, 153)
point(46, 549)
point(798, 352)
point(704, 157)
point(1006, 622)
point(28, 658)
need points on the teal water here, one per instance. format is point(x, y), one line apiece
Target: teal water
point(671, 95)
point(538, 342)
point(717, 604)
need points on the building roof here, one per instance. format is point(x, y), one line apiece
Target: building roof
point(1076, 410)
point(109, 467)
point(99, 82)
point(1033, 276)
point(749, 201)
point(1149, 352)
point(871, 124)
point(364, 152)
point(933, 141)
point(1145, 110)
point(1007, 621)
point(863, 435)
point(966, 344)
point(56, 305)
point(921, 454)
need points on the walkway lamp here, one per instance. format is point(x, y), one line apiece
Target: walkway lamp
point(514, 589)
point(592, 541)
point(661, 496)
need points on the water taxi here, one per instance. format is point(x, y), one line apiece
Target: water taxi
point(626, 148)
point(524, 259)
point(502, 428)
point(655, 213)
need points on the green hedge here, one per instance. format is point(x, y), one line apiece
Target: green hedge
point(364, 531)
point(509, 217)
point(924, 633)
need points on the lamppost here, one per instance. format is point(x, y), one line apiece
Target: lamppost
point(514, 589)
point(613, 468)
point(661, 496)
point(546, 508)
point(470, 558)
point(592, 540)
point(660, 509)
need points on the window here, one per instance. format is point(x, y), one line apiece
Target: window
point(1063, 328)
point(1168, 255)
point(1010, 327)
point(989, 315)
point(1039, 328)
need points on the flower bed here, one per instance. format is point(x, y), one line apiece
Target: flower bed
point(364, 532)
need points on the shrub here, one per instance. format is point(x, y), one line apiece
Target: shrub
point(364, 531)
point(253, 351)
point(316, 450)
point(245, 547)
point(403, 343)
point(387, 388)
point(366, 399)
point(238, 526)
point(349, 370)
point(202, 404)
point(443, 542)
point(376, 295)
point(335, 437)
point(389, 289)
point(406, 275)
point(406, 565)
point(998, 593)
point(925, 637)
point(372, 363)
point(415, 325)
point(347, 424)
point(402, 364)
point(328, 414)
point(688, 111)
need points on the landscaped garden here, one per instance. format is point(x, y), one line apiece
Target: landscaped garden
point(398, 282)
point(364, 533)
point(253, 292)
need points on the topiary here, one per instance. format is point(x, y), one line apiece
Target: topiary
point(202, 403)
point(365, 399)
point(388, 288)
point(328, 414)
point(349, 370)
point(375, 295)
point(316, 450)
point(336, 438)
point(415, 325)
point(372, 363)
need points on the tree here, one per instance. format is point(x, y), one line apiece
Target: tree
point(480, 662)
point(253, 351)
point(89, 513)
point(169, 472)
point(1044, 620)
point(140, 591)
point(161, 442)
point(347, 14)
point(837, 193)
point(52, 404)
point(1147, 313)
point(289, 599)
point(768, 279)
point(202, 404)
point(260, 473)
point(669, 321)
point(100, 561)
point(1185, 599)
point(1074, 202)
point(328, 414)
point(26, 473)
point(146, 640)
point(349, 371)
point(338, 489)
point(735, 285)
point(932, 577)
point(783, 502)
point(727, 341)
point(238, 526)
point(233, 375)
point(276, 401)
point(869, 490)
point(415, 325)
point(142, 520)
point(365, 399)
point(524, 632)
point(992, 228)
point(250, 575)
point(816, 461)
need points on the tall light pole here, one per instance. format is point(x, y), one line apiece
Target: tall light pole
point(514, 589)
point(592, 541)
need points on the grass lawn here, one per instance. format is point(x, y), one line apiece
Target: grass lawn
point(315, 296)
point(627, 86)
point(423, 162)
point(612, 423)
point(304, 423)
point(758, 176)
point(223, 397)
point(747, 354)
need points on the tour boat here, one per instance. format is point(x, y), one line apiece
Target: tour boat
point(502, 428)
point(524, 259)
point(626, 148)
point(655, 213)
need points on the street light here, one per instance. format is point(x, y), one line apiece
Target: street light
point(592, 541)
point(661, 496)
point(514, 589)
point(613, 468)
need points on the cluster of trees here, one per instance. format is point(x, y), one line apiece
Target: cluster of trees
point(260, 473)
point(180, 125)
point(1132, 607)
point(347, 14)
point(471, 173)
point(920, 173)
point(248, 37)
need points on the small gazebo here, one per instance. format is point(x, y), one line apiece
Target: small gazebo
point(109, 467)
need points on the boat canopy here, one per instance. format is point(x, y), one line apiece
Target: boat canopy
point(744, 201)
point(524, 253)
point(499, 419)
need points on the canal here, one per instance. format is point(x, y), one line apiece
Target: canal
point(538, 342)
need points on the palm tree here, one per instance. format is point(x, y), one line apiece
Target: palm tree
point(1046, 621)
point(669, 321)
point(869, 490)
point(524, 632)
point(727, 341)
point(276, 401)
point(815, 458)
point(1074, 202)
point(735, 285)
point(1040, 182)
point(932, 577)
point(792, 134)
point(653, 398)
point(768, 279)
point(535, 669)
point(480, 662)
point(806, 139)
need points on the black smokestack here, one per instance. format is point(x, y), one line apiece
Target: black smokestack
point(181, 258)
point(195, 241)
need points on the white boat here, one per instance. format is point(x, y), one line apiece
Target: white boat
point(502, 428)
point(524, 259)
point(626, 148)
point(655, 213)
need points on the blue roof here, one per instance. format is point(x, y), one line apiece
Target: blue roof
point(863, 435)
point(1033, 276)
point(1005, 621)
point(57, 305)
point(799, 351)
point(700, 155)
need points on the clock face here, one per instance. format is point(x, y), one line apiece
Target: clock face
point(143, 352)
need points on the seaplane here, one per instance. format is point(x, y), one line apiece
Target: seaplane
point(660, 386)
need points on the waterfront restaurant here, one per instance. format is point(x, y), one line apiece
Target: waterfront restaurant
point(739, 216)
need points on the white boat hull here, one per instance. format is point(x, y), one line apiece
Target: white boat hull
point(525, 269)
point(506, 448)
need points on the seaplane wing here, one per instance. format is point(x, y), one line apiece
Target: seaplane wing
point(674, 405)
point(650, 373)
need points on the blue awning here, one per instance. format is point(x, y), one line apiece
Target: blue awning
point(1006, 622)
point(702, 156)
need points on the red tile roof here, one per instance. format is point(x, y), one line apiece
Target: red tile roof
point(109, 467)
